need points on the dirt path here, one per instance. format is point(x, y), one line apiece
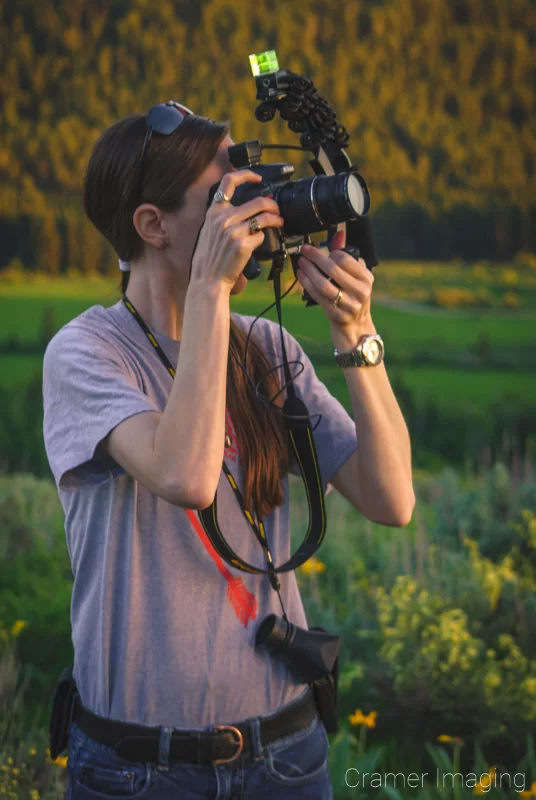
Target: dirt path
point(450, 313)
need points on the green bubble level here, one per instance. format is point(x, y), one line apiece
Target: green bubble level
point(264, 63)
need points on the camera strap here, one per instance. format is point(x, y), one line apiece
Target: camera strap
point(297, 422)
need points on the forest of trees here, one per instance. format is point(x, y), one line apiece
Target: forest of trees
point(439, 97)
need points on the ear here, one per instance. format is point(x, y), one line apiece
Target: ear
point(150, 224)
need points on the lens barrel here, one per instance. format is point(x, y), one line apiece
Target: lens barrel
point(313, 204)
point(274, 633)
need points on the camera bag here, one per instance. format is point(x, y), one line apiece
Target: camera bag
point(326, 695)
point(62, 710)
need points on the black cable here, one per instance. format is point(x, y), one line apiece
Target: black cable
point(260, 397)
point(264, 402)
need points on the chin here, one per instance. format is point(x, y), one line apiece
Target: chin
point(240, 285)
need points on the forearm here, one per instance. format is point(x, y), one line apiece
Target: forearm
point(189, 440)
point(378, 480)
point(384, 453)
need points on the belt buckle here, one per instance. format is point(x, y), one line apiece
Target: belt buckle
point(239, 742)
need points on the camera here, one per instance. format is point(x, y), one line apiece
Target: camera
point(308, 654)
point(311, 656)
point(307, 205)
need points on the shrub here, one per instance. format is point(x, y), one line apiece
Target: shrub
point(26, 770)
point(37, 585)
point(30, 513)
point(438, 619)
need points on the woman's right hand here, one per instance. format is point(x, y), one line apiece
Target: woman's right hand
point(226, 243)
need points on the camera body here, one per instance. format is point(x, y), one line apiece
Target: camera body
point(307, 205)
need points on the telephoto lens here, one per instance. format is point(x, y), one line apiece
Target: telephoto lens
point(310, 205)
point(308, 654)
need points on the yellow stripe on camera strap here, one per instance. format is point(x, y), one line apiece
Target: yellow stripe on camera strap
point(304, 449)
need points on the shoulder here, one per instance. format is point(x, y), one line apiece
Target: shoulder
point(86, 335)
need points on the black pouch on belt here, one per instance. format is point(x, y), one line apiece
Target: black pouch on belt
point(326, 696)
point(61, 712)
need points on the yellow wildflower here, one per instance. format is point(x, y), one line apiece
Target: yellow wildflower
point(509, 276)
point(510, 300)
point(34, 795)
point(484, 784)
point(313, 565)
point(528, 793)
point(9, 760)
point(368, 720)
point(15, 771)
point(18, 626)
point(61, 761)
point(446, 738)
point(32, 751)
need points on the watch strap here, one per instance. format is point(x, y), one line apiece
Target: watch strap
point(356, 357)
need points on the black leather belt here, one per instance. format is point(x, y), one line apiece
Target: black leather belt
point(221, 746)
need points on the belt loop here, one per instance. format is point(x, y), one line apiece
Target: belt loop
point(163, 748)
point(256, 745)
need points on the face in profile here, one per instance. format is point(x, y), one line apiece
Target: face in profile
point(190, 217)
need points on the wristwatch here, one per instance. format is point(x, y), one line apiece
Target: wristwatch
point(368, 353)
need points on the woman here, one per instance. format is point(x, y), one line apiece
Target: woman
point(163, 630)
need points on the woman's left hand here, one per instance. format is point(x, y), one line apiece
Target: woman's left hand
point(352, 316)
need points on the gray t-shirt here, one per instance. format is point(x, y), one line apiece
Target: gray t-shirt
point(163, 630)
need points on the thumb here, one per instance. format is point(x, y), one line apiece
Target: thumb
point(338, 241)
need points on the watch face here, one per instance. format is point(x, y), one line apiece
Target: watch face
point(372, 350)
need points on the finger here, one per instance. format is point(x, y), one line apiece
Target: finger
point(253, 208)
point(337, 265)
point(245, 242)
point(334, 274)
point(265, 220)
point(231, 180)
point(320, 297)
point(338, 241)
point(354, 266)
point(315, 278)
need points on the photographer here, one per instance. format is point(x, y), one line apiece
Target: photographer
point(163, 630)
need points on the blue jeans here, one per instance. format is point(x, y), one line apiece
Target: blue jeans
point(292, 767)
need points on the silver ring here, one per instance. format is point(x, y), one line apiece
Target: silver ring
point(337, 300)
point(254, 225)
point(221, 197)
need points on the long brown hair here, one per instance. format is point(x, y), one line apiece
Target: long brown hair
point(172, 164)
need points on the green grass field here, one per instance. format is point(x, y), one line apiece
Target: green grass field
point(22, 309)
point(22, 316)
point(16, 371)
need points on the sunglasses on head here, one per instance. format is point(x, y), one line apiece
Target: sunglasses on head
point(163, 118)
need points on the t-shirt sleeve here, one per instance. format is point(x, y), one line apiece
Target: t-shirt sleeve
point(88, 389)
point(335, 435)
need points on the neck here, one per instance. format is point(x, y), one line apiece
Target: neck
point(158, 294)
